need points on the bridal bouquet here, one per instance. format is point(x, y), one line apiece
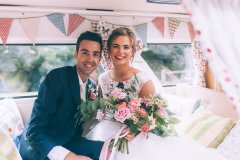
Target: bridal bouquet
point(139, 115)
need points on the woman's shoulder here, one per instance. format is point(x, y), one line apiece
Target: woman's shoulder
point(143, 77)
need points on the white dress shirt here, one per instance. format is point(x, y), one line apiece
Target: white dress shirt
point(59, 152)
point(82, 88)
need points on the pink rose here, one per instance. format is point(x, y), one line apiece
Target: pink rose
point(142, 113)
point(100, 115)
point(145, 128)
point(133, 105)
point(121, 105)
point(122, 114)
point(93, 96)
point(163, 112)
point(118, 93)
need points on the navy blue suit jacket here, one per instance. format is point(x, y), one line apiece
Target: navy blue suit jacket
point(53, 119)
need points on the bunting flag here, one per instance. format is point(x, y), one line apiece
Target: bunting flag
point(57, 20)
point(173, 25)
point(94, 26)
point(159, 23)
point(191, 31)
point(73, 23)
point(5, 25)
point(141, 30)
point(30, 27)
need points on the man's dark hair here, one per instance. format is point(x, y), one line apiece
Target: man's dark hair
point(91, 36)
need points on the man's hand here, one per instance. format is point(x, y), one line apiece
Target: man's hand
point(73, 156)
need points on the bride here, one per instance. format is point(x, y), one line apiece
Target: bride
point(121, 47)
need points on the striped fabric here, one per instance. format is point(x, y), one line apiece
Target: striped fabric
point(208, 129)
point(8, 150)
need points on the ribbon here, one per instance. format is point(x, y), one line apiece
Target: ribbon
point(106, 154)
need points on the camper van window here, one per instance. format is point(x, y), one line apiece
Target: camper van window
point(23, 67)
point(172, 63)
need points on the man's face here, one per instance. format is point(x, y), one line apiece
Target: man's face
point(88, 56)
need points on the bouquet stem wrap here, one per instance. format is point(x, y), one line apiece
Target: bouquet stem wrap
point(106, 154)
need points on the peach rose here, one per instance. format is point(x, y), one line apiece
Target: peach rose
point(145, 128)
point(143, 113)
point(121, 105)
point(133, 105)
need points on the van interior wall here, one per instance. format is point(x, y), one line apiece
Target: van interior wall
point(211, 81)
point(48, 33)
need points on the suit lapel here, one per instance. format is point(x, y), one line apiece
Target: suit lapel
point(87, 88)
point(74, 83)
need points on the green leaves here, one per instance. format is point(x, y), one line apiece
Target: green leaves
point(173, 120)
point(83, 108)
point(133, 128)
point(102, 103)
point(89, 108)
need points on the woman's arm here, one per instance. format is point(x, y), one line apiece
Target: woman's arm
point(147, 89)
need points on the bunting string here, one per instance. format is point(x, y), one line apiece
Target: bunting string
point(30, 26)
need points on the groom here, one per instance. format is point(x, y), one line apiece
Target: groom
point(51, 132)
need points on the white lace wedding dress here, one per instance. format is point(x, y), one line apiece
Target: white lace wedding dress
point(155, 147)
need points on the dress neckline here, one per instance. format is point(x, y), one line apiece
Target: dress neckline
point(125, 80)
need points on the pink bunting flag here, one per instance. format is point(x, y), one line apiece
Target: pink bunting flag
point(159, 23)
point(74, 21)
point(30, 27)
point(191, 31)
point(173, 25)
point(5, 25)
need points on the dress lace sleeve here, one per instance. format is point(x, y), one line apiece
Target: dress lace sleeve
point(106, 84)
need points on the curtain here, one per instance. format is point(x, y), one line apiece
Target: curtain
point(199, 65)
point(217, 23)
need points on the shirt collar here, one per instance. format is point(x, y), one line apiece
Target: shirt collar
point(81, 82)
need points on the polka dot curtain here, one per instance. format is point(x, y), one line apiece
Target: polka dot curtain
point(199, 64)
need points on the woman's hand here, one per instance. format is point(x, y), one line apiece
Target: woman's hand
point(73, 156)
point(130, 136)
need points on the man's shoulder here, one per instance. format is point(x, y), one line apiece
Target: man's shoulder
point(61, 70)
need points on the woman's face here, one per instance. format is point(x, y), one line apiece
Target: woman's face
point(121, 50)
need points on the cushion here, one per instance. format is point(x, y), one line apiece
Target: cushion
point(10, 118)
point(230, 147)
point(8, 150)
point(207, 128)
point(181, 106)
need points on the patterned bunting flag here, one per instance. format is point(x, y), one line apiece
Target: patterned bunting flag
point(57, 20)
point(5, 25)
point(159, 23)
point(74, 21)
point(30, 27)
point(94, 26)
point(141, 30)
point(191, 31)
point(173, 24)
